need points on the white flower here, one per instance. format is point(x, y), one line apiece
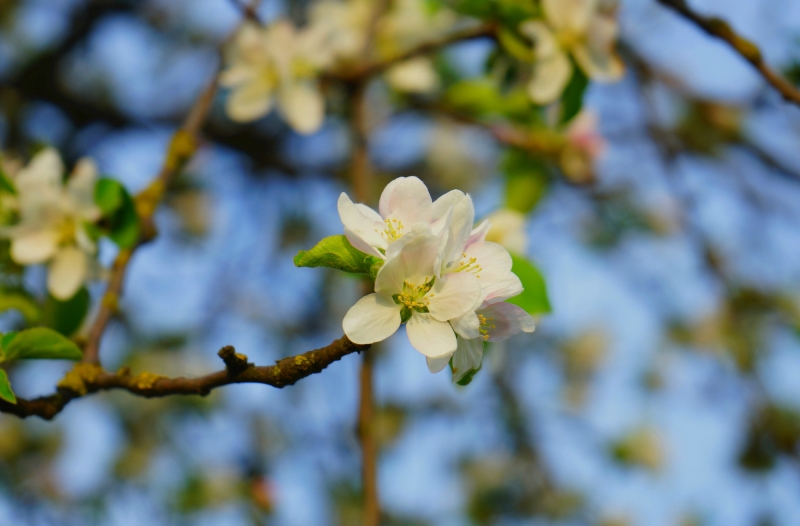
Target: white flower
point(406, 205)
point(276, 65)
point(573, 27)
point(406, 289)
point(52, 221)
point(343, 26)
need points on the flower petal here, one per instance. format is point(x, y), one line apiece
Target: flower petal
point(45, 169)
point(249, 101)
point(509, 287)
point(505, 320)
point(460, 228)
point(373, 318)
point(67, 273)
point(468, 357)
point(416, 75)
point(453, 295)
point(596, 56)
point(34, 247)
point(437, 364)
point(545, 44)
point(478, 234)
point(432, 338)
point(550, 77)
point(467, 326)
point(494, 261)
point(303, 106)
point(362, 226)
point(408, 200)
point(569, 15)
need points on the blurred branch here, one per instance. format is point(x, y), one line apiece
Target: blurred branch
point(720, 29)
point(376, 68)
point(87, 378)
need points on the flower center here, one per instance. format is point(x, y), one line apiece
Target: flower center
point(393, 230)
point(484, 330)
point(414, 298)
point(567, 38)
point(465, 265)
point(66, 232)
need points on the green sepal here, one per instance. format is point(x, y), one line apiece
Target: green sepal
point(39, 343)
point(533, 299)
point(6, 393)
point(405, 314)
point(336, 252)
point(572, 98)
point(467, 378)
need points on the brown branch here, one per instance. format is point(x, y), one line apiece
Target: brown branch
point(88, 378)
point(720, 29)
point(376, 68)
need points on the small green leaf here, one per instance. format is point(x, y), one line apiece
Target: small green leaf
point(18, 299)
point(5, 388)
point(119, 211)
point(572, 99)
point(527, 180)
point(534, 298)
point(66, 316)
point(108, 195)
point(337, 252)
point(476, 96)
point(515, 45)
point(467, 378)
point(39, 343)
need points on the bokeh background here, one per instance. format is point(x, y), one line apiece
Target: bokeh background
point(664, 389)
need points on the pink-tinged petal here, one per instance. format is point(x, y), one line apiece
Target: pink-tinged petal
point(504, 320)
point(373, 318)
point(437, 364)
point(362, 228)
point(550, 77)
point(507, 288)
point(419, 253)
point(249, 101)
point(460, 228)
point(453, 295)
point(67, 272)
point(303, 106)
point(569, 15)
point(478, 234)
point(468, 357)
point(467, 326)
point(391, 276)
point(406, 199)
point(493, 260)
point(34, 247)
point(409, 234)
point(434, 339)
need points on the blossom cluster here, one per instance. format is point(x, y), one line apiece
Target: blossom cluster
point(440, 276)
point(279, 65)
point(48, 220)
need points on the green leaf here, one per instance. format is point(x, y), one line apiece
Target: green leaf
point(337, 252)
point(5, 388)
point(122, 221)
point(5, 183)
point(527, 180)
point(572, 99)
point(18, 299)
point(39, 343)
point(476, 96)
point(108, 195)
point(515, 45)
point(534, 298)
point(66, 316)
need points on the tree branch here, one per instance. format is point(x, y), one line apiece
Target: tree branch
point(88, 378)
point(720, 29)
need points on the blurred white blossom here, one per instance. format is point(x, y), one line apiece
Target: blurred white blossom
point(571, 27)
point(52, 221)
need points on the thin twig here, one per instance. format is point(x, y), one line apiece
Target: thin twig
point(88, 378)
point(361, 173)
point(720, 29)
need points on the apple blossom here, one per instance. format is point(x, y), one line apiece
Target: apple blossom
point(576, 28)
point(276, 65)
point(407, 290)
point(508, 229)
point(52, 221)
